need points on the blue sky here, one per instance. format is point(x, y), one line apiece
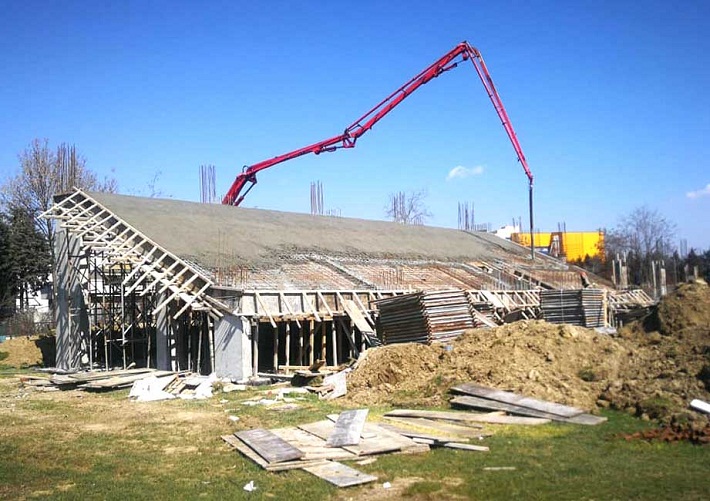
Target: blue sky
point(609, 100)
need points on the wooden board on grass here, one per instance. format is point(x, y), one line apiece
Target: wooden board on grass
point(339, 474)
point(418, 436)
point(492, 405)
point(507, 397)
point(377, 441)
point(468, 417)
point(439, 426)
point(313, 447)
point(247, 451)
point(269, 446)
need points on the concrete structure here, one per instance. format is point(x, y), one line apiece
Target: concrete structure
point(203, 287)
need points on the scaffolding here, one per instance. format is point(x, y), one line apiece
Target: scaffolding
point(127, 283)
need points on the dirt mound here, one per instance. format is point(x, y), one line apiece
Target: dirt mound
point(672, 362)
point(674, 433)
point(562, 363)
point(644, 373)
point(685, 308)
point(21, 352)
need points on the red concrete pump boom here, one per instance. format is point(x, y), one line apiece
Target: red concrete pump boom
point(462, 52)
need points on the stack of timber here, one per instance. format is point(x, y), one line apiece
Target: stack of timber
point(481, 397)
point(318, 447)
point(425, 317)
point(583, 307)
point(96, 380)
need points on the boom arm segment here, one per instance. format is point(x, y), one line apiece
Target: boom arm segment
point(352, 133)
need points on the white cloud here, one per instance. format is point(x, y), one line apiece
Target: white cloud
point(460, 172)
point(703, 192)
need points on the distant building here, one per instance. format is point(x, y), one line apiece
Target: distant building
point(39, 302)
point(572, 245)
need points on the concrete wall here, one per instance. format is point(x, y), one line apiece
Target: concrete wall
point(232, 346)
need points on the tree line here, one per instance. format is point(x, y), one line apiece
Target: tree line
point(643, 242)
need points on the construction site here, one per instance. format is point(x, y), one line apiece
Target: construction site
point(209, 288)
point(437, 329)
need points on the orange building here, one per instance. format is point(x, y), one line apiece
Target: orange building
point(573, 245)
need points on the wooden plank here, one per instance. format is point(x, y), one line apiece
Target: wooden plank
point(467, 447)
point(469, 417)
point(419, 436)
point(515, 399)
point(482, 403)
point(440, 427)
point(348, 428)
point(269, 446)
point(247, 451)
point(321, 429)
point(312, 446)
point(587, 419)
point(374, 439)
point(121, 381)
point(379, 441)
point(456, 416)
point(357, 317)
point(339, 474)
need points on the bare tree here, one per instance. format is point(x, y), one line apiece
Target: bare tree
point(642, 236)
point(644, 232)
point(45, 173)
point(408, 208)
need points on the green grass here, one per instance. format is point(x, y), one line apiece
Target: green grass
point(89, 446)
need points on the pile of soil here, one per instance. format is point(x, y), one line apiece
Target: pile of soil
point(561, 363)
point(650, 374)
point(21, 352)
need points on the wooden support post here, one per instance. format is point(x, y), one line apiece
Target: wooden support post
point(255, 347)
point(301, 359)
point(311, 348)
point(288, 343)
point(334, 337)
point(323, 340)
point(362, 337)
point(276, 348)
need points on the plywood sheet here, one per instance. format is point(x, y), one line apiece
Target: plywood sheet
point(348, 428)
point(269, 446)
point(339, 474)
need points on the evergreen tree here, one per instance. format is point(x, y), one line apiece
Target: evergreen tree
point(7, 287)
point(28, 255)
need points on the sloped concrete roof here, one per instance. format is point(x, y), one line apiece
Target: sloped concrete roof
point(218, 235)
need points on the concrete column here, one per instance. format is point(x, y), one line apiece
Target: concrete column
point(232, 340)
point(71, 314)
point(162, 337)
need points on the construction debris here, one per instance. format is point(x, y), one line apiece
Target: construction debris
point(316, 447)
point(94, 380)
point(470, 417)
point(481, 397)
point(700, 406)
